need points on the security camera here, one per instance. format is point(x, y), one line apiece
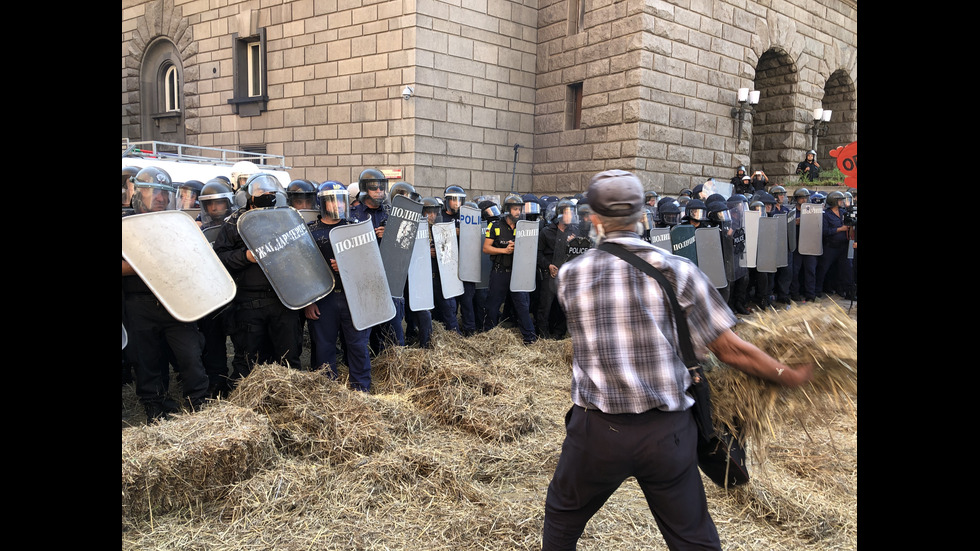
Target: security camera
point(407, 92)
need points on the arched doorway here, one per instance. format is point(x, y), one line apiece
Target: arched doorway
point(774, 125)
point(162, 93)
point(840, 96)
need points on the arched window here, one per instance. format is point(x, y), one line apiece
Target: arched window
point(171, 89)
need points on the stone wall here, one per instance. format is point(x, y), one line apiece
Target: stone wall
point(658, 81)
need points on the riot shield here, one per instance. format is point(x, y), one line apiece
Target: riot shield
point(125, 337)
point(420, 273)
point(726, 235)
point(524, 270)
point(682, 242)
point(399, 240)
point(170, 254)
point(485, 266)
point(782, 245)
point(355, 247)
point(309, 215)
point(567, 246)
point(751, 222)
point(710, 259)
point(285, 250)
point(713, 186)
point(766, 252)
point(471, 236)
point(211, 233)
point(447, 258)
point(791, 230)
point(192, 212)
point(739, 262)
point(660, 237)
point(811, 229)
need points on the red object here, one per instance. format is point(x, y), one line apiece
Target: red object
point(847, 163)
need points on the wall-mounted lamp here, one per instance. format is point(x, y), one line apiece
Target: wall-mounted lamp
point(407, 92)
point(746, 104)
point(819, 127)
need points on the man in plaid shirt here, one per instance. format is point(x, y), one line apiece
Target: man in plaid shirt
point(631, 415)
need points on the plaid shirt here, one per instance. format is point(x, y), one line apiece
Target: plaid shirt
point(626, 358)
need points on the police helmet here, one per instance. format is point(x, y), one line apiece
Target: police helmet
point(401, 188)
point(431, 205)
point(531, 210)
point(128, 172)
point(695, 209)
point(848, 199)
point(262, 190)
point(757, 205)
point(670, 212)
point(765, 197)
point(217, 201)
point(154, 191)
point(835, 199)
point(818, 197)
point(332, 196)
point(188, 194)
point(372, 178)
point(454, 197)
point(512, 200)
point(801, 193)
point(241, 172)
point(686, 193)
point(719, 213)
point(649, 195)
point(301, 194)
point(741, 169)
point(489, 211)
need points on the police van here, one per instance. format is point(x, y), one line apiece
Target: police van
point(188, 162)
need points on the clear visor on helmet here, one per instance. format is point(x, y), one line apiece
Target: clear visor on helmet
point(697, 213)
point(153, 198)
point(491, 212)
point(333, 204)
point(568, 216)
point(671, 218)
point(301, 200)
point(374, 185)
point(217, 206)
point(531, 208)
point(455, 200)
point(721, 216)
point(187, 198)
point(263, 184)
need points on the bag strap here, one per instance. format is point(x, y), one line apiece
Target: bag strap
point(683, 332)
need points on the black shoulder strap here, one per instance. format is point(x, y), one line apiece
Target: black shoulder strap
point(683, 332)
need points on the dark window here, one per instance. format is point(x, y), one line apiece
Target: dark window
point(573, 108)
point(576, 16)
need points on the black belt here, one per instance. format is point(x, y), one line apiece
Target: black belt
point(499, 268)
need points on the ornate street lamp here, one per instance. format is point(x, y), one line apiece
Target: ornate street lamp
point(746, 103)
point(819, 127)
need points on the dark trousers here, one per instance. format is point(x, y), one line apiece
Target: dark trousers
point(335, 319)
point(153, 335)
point(467, 308)
point(804, 280)
point(834, 259)
point(391, 332)
point(213, 327)
point(272, 331)
point(499, 290)
point(601, 451)
point(445, 308)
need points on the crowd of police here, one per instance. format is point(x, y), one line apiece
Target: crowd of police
point(261, 328)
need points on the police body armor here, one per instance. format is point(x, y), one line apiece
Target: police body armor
point(568, 245)
point(524, 269)
point(710, 258)
point(398, 242)
point(175, 261)
point(682, 242)
point(420, 296)
point(447, 258)
point(811, 229)
point(355, 247)
point(471, 236)
point(284, 248)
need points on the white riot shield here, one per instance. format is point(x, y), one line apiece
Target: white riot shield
point(660, 237)
point(751, 223)
point(355, 247)
point(524, 270)
point(471, 235)
point(171, 255)
point(710, 259)
point(289, 257)
point(713, 186)
point(420, 273)
point(782, 245)
point(399, 241)
point(811, 229)
point(766, 253)
point(125, 337)
point(447, 258)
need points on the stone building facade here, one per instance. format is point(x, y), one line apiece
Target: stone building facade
point(579, 85)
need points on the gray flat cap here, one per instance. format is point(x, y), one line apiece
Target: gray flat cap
point(615, 193)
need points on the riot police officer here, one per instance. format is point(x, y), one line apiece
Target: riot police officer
point(301, 195)
point(833, 267)
point(154, 335)
point(809, 168)
point(499, 244)
point(803, 285)
point(272, 331)
point(558, 242)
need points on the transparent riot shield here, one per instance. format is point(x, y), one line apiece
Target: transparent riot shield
point(285, 250)
point(309, 215)
point(524, 269)
point(682, 242)
point(355, 247)
point(171, 255)
point(710, 259)
point(811, 229)
point(420, 296)
point(399, 240)
point(447, 258)
point(739, 262)
point(471, 236)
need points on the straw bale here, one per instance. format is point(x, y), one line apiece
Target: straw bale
point(312, 414)
point(192, 459)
